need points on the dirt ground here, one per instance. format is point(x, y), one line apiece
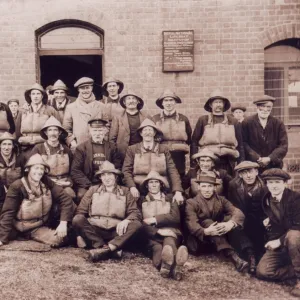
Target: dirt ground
point(65, 274)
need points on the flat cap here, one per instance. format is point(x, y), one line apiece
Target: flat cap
point(207, 177)
point(83, 81)
point(264, 98)
point(237, 106)
point(97, 123)
point(246, 165)
point(275, 173)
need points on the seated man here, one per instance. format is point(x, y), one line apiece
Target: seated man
point(89, 156)
point(26, 210)
point(282, 210)
point(206, 161)
point(241, 193)
point(56, 154)
point(161, 227)
point(149, 155)
point(211, 219)
point(108, 216)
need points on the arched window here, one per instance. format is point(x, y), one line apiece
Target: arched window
point(69, 50)
point(282, 79)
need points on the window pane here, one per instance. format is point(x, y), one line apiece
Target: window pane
point(294, 94)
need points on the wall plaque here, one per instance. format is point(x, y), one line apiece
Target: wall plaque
point(178, 50)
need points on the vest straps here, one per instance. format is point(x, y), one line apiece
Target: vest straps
point(61, 149)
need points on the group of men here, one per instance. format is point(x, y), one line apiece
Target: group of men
point(107, 175)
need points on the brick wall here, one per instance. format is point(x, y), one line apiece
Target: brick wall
point(230, 37)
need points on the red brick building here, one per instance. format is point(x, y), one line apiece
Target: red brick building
point(241, 46)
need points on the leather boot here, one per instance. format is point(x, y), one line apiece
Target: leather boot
point(117, 254)
point(252, 265)
point(80, 242)
point(295, 291)
point(167, 260)
point(99, 254)
point(239, 263)
point(181, 258)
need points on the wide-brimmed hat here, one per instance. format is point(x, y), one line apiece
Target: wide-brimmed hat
point(111, 79)
point(7, 136)
point(38, 87)
point(275, 173)
point(263, 99)
point(13, 100)
point(83, 81)
point(205, 153)
point(58, 85)
point(148, 122)
point(167, 93)
point(245, 165)
point(52, 121)
point(216, 94)
point(207, 177)
point(156, 176)
point(108, 167)
point(36, 159)
point(237, 106)
point(132, 93)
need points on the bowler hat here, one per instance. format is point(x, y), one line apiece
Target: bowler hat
point(148, 122)
point(207, 177)
point(216, 94)
point(52, 121)
point(36, 159)
point(38, 87)
point(131, 93)
point(205, 153)
point(108, 167)
point(237, 106)
point(245, 165)
point(83, 81)
point(111, 79)
point(167, 93)
point(13, 100)
point(156, 176)
point(58, 85)
point(263, 99)
point(275, 173)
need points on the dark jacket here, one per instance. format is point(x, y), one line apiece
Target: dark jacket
point(82, 165)
point(10, 118)
point(289, 212)
point(269, 142)
point(17, 193)
point(171, 171)
point(132, 212)
point(61, 111)
point(199, 216)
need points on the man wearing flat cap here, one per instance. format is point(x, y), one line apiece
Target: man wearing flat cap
point(111, 89)
point(176, 129)
point(242, 193)
point(27, 207)
point(219, 132)
point(89, 156)
point(150, 155)
point(59, 101)
point(78, 113)
point(123, 132)
point(281, 207)
point(238, 112)
point(56, 154)
point(264, 136)
point(14, 105)
point(32, 118)
point(108, 216)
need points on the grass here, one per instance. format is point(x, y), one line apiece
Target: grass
point(65, 274)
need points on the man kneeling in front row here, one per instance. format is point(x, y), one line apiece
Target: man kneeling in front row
point(107, 216)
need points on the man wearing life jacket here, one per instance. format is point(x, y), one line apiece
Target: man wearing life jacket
point(11, 163)
point(32, 118)
point(78, 113)
point(264, 136)
point(213, 220)
point(111, 90)
point(108, 216)
point(7, 123)
point(206, 161)
point(175, 127)
point(150, 155)
point(124, 127)
point(56, 154)
point(161, 227)
point(238, 112)
point(27, 206)
point(89, 156)
point(60, 100)
point(14, 105)
point(219, 132)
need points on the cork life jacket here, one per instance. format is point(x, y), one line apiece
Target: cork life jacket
point(34, 211)
point(219, 138)
point(9, 172)
point(31, 125)
point(145, 162)
point(174, 132)
point(4, 125)
point(107, 209)
point(111, 108)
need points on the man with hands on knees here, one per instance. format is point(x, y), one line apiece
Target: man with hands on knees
point(213, 220)
point(107, 216)
point(27, 207)
point(282, 210)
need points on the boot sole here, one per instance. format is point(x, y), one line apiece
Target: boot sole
point(167, 258)
point(182, 256)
